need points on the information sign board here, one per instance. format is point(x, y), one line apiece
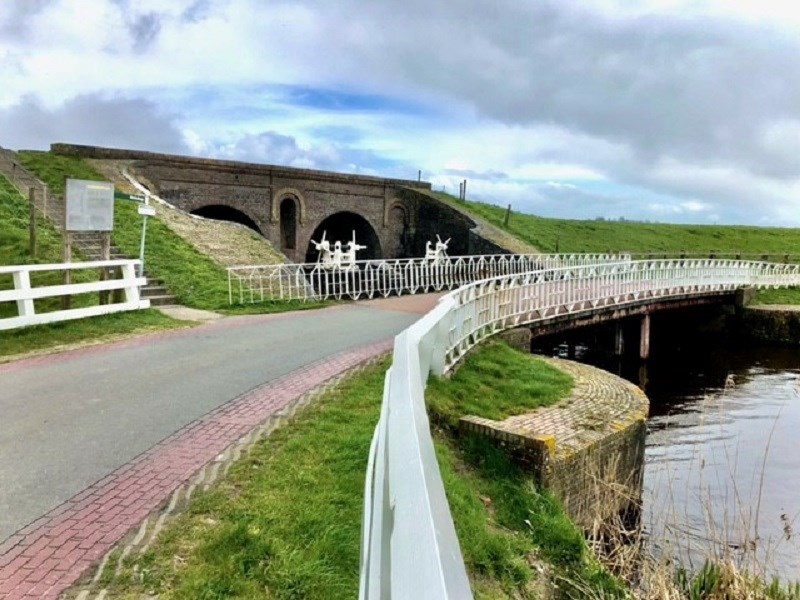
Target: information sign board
point(90, 205)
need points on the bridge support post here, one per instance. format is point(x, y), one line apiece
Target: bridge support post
point(644, 338)
point(619, 340)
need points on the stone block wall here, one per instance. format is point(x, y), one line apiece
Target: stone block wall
point(774, 324)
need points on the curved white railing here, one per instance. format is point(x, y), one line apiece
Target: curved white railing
point(409, 545)
point(371, 278)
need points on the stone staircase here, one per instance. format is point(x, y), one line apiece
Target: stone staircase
point(89, 244)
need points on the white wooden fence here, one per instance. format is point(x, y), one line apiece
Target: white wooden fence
point(24, 295)
point(409, 547)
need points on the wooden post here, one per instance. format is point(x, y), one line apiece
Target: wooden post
point(508, 216)
point(44, 201)
point(105, 252)
point(66, 256)
point(32, 223)
point(619, 340)
point(644, 338)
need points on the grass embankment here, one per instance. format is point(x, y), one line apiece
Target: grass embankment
point(194, 278)
point(566, 235)
point(15, 250)
point(285, 523)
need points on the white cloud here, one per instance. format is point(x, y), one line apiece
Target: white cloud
point(669, 106)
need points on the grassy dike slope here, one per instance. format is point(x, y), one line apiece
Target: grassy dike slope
point(194, 279)
point(285, 523)
point(565, 235)
point(14, 250)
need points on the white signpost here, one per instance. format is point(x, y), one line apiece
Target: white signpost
point(146, 211)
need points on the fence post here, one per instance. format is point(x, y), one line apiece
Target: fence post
point(22, 282)
point(32, 221)
point(129, 276)
point(438, 362)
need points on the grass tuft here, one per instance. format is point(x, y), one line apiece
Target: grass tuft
point(494, 383)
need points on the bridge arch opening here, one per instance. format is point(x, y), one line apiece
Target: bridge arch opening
point(221, 212)
point(288, 215)
point(340, 227)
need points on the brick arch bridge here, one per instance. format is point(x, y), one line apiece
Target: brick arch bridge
point(290, 207)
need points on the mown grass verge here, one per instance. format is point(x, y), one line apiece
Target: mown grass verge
point(285, 523)
point(567, 235)
point(194, 278)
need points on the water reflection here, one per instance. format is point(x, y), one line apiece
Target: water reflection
point(722, 470)
point(722, 474)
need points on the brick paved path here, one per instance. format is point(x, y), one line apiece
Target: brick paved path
point(46, 557)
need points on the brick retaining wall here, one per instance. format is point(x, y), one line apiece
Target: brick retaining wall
point(588, 449)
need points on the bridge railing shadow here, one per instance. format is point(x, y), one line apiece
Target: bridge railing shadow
point(409, 546)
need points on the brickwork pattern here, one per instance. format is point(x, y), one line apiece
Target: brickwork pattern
point(45, 558)
point(227, 243)
point(600, 404)
point(256, 190)
point(588, 449)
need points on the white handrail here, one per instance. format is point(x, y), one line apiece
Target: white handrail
point(24, 294)
point(371, 278)
point(409, 547)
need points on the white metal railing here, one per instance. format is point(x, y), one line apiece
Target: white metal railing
point(24, 294)
point(409, 547)
point(371, 278)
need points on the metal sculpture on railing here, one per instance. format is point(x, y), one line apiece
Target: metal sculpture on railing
point(349, 256)
point(436, 256)
point(337, 259)
point(323, 248)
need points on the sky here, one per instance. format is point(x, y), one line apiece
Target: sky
point(681, 111)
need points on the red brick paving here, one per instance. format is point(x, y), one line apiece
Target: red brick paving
point(47, 557)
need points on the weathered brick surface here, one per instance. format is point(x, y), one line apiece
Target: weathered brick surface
point(401, 213)
point(588, 449)
point(771, 323)
point(45, 558)
point(257, 190)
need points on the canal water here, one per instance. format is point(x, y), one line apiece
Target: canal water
point(722, 465)
point(722, 470)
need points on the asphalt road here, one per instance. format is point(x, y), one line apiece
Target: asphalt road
point(70, 419)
